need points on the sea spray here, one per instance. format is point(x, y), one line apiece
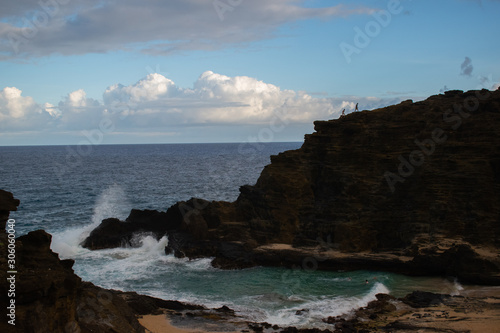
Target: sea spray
point(112, 202)
point(123, 267)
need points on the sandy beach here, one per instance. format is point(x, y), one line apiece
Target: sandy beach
point(160, 323)
point(163, 323)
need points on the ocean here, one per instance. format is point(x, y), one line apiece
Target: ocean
point(69, 190)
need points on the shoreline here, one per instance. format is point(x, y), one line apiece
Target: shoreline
point(418, 311)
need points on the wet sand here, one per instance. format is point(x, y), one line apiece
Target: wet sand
point(163, 323)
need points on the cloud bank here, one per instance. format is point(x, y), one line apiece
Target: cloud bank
point(20, 112)
point(41, 28)
point(156, 103)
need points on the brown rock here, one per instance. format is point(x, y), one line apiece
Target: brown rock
point(7, 204)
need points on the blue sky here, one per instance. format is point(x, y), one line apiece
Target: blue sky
point(108, 71)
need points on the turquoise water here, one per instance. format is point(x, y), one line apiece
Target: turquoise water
point(272, 295)
point(112, 180)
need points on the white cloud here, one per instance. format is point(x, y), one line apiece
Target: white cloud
point(52, 110)
point(30, 29)
point(156, 103)
point(214, 99)
point(77, 111)
point(151, 88)
point(15, 105)
point(19, 112)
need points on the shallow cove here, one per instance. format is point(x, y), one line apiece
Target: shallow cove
point(261, 294)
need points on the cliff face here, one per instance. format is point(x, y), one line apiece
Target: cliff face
point(376, 180)
point(419, 180)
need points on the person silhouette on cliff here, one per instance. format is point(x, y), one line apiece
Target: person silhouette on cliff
point(343, 114)
point(356, 109)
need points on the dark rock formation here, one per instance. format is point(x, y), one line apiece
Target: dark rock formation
point(47, 295)
point(416, 180)
point(459, 260)
point(143, 305)
point(422, 299)
point(114, 233)
point(7, 204)
point(421, 312)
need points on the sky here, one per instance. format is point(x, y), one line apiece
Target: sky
point(186, 71)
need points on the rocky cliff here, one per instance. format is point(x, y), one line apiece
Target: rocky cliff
point(413, 188)
point(45, 295)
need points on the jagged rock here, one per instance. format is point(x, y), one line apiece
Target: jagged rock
point(111, 233)
point(379, 306)
point(225, 309)
point(115, 233)
point(182, 216)
point(460, 261)
point(423, 299)
point(142, 305)
point(101, 310)
point(7, 204)
point(301, 312)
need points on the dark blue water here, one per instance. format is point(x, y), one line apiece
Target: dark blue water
point(59, 186)
point(69, 190)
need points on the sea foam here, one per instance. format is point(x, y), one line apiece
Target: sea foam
point(112, 202)
point(310, 313)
